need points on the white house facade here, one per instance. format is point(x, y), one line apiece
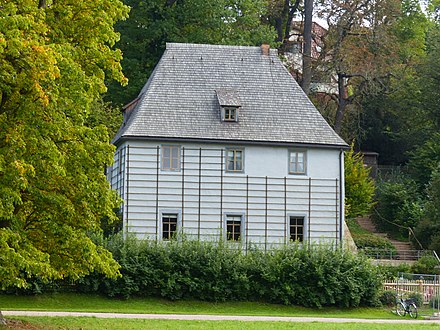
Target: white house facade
point(222, 144)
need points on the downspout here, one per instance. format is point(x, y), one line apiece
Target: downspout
point(341, 196)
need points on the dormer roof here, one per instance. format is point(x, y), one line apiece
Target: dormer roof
point(228, 97)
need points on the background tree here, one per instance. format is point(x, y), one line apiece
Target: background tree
point(428, 230)
point(153, 23)
point(280, 14)
point(397, 121)
point(359, 50)
point(54, 56)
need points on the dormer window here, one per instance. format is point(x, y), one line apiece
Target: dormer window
point(229, 104)
point(230, 114)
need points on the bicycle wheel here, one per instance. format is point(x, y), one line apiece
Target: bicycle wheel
point(412, 310)
point(400, 309)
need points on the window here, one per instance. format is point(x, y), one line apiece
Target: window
point(296, 228)
point(170, 158)
point(234, 160)
point(233, 227)
point(169, 225)
point(230, 114)
point(297, 162)
point(229, 101)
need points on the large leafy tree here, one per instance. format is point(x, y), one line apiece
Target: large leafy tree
point(54, 56)
point(360, 51)
point(407, 116)
point(428, 230)
point(152, 23)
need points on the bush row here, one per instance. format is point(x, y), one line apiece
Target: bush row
point(313, 277)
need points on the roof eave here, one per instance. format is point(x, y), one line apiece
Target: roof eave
point(223, 141)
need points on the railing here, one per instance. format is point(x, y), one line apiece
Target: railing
point(436, 256)
point(426, 288)
point(409, 255)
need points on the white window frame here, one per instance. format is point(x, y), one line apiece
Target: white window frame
point(234, 151)
point(227, 216)
point(233, 113)
point(293, 166)
point(166, 212)
point(304, 227)
point(171, 158)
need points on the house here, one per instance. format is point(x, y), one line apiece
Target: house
point(322, 82)
point(222, 143)
point(296, 40)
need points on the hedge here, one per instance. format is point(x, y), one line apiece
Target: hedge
point(180, 269)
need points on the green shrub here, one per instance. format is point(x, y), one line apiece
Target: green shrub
point(388, 298)
point(425, 265)
point(434, 302)
point(181, 269)
point(417, 297)
point(390, 272)
point(398, 207)
point(372, 241)
point(374, 245)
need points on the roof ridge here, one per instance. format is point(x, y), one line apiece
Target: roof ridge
point(178, 45)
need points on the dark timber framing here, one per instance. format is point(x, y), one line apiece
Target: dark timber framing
point(127, 180)
point(183, 186)
point(157, 191)
point(203, 192)
point(309, 229)
point(222, 161)
point(247, 212)
point(200, 193)
point(265, 215)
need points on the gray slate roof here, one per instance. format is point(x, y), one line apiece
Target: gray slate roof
point(180, 99)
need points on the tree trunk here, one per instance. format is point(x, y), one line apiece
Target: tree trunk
point(307, 51)
point(292, 10)
point(279, 28)
point(342, 103)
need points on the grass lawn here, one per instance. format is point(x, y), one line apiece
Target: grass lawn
point(70, 302)
point(94, 303)
point(88, 323)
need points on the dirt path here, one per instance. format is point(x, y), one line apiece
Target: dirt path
point(216, 317)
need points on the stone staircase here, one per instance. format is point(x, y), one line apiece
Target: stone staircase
point(405, 251)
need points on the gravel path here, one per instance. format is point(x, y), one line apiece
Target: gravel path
point(217, 317)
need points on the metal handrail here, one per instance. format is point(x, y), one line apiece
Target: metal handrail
point(414, 235)
point(410, 231)
point(436, 256)
point(389, 254)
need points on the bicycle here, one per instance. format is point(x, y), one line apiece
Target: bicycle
point(407, 306)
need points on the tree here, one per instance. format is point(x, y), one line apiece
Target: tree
point(54, 56)
point(359, 186)
point(406, 115)
point(280, 15)
point(359, 49)
point(106, 115)
point(153, 23)
point(425, 160)
point(428, 230)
